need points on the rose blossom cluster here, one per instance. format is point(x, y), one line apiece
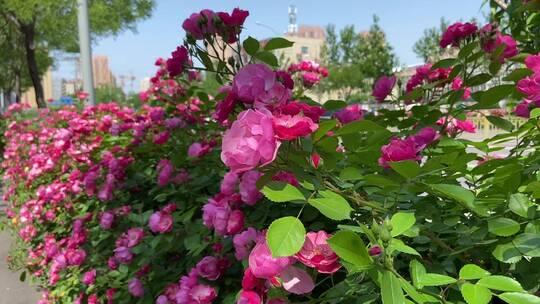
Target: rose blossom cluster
point(208, 23)
point(455, 126)
point(409, 148)
point(456, 33)
point(425, 74)
point(530, 87)
point(383, 87)
point(309, 71)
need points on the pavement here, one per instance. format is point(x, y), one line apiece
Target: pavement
point(12, 290)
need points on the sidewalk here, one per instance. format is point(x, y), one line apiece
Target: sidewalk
point(13, 291)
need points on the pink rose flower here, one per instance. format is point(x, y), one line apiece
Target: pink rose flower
point(294, 108)
point(375, 251)
point(425, 137)
point(350, 113)
point(522, 109)
point(243, 243)
point(179, 59)
point(198, 150)
point(399, 150)
point(289, 127)
point(235, 224)
point(123, 255)
point(249, 297)
point(106, 220)
point(288, 177)
point(76, 257)
point(530, 86)
point(203, 294)
point(457, 32)
point(296, 280)
point(383, 87)
point(89, 277)
point(135, 287)
point(457, 84)
point(229, 182)
point(250, 142)
point(533, 62)
point(310, 79)
point(208, 268)
point(200, 24)
point(316, 253)
point(263, 265)
point(160, 222)
point(134, 236)
point(248, 187)
point(161, 137)
point(257, 83)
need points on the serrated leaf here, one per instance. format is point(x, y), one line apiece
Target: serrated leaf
point(435, 279)
point(332, 205)
point(507, 253)
point(350, 174)
point(502, 283)
point(475, 294)
point(267, 57)
point(417, 272)
point(496, 94)
point(350, 247)
point(398, 245)
point(407, 168)
point(458, 193)
point(519, 203)
point(519, 298)
point(391, 292)
point(472, 272)
point(332, 105)
point(528, 244)
point(401, 222)
point(478, 80)
point(285, 236)
point(501, 123)
point(280, 192)
point(518, 74)
point(251, 45)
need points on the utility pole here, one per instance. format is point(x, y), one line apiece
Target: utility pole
point(86, 51)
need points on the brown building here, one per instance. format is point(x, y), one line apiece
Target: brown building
point(29, 96)
point(102, 73)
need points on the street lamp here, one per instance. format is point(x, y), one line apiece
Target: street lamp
point(268, 27)
point(86, 51)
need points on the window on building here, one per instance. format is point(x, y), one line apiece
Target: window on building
point(304, 50)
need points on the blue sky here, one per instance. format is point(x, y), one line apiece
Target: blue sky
point(402, 20)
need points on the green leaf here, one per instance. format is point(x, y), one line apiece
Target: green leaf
point(443, 63)
point(350, 174)
point(401, 222)
point(413, 95)
point(475, 294)
point(406, 168)
point(507, 253)
point(518, 74)
point(417, 272)
point(332, 206)
point(528, 244)
point(435, 279)
point(535, 113)
point(494, 67)
point(22, 276)
point(324, 127)
point(267, 58)
point(478, 80)
point(277, 43)
point(519, 204)
point(398, 245)
point(519, 298)
point(285, 236)
point(350, 247)
point(466, 50)
point(415, 295)
point(206, 61)
point(472, 272)
point(503, 226)
point(502, 283)
point(251, 45)
point(331, 105)
point(391, 291)
point(496, 94)
point(359, 126)
point(458, 193)
point(280, 192)
point(501, 123)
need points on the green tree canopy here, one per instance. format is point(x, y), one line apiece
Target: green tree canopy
point(427, 47)
point(355, 59)
point(41, 26)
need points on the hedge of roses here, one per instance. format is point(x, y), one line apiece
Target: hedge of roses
point(258, 194)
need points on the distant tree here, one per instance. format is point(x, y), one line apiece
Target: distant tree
point(47, 25)
point(427, 47)
point(108, 93)
point(355, 59)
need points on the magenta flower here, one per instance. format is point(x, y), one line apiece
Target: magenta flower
point(135, 287)
point(287, 177)
point(134, 236)
point(203, 294)
point(457, 32)
point(243, 242)
point(106, 220)
point(200, 24)
point(123, 255)
point(161, 137)
point(263, 265)
point(179, 59)
point(232, 24)
point(257, 83)
point(248, 187)
point(316, 253)
point(229, 182)
point(296, 280)
point(165, 170)
point(383, 87)
point(375, 251)
point(250, 142)
point(530, 86)
point(198, 150)
point(89, 277)
point(533, 62)
point(289, 127)
point(208, 268)
point(249, 297)
point(309, 79)
point(350, 113)
point(235, 223)
point(425, 137)
point(522, 109)
point(399, 150)
point(160, 222)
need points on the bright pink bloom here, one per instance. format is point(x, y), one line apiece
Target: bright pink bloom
point(465, 126)
point(315, 160)
point(235, 224)
point(229, 182)
point(257, 83)
point(457, 84)
point(310, 79)
point(179, 59)
point(89, 277)
point(289, 127)
point(200, 24)
point(399, 150)
point(224, 108)
point(248, 187)
point(232, 24)
point(135, 287)
point(285, 176)
point(203, 294)
point(530, 86)
point(522, 109)
point(316, 253)
point(457, 32)
point(296, 280)
point(533, 62)
point(134, 236)
point(250, 142)
point(76, 257)
point(161, 137)
point(165, 169)
point(106, 220)
point(243, 242)
point(375, 251)
point(425, 137)
point(350, 113)
point(489, 46)
point(160, 222)
point(383, 87)
point(263, 265)
point(198, 150)
point(249, 297)
point(208, 268)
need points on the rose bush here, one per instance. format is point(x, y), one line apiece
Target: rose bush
point(258, 194)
